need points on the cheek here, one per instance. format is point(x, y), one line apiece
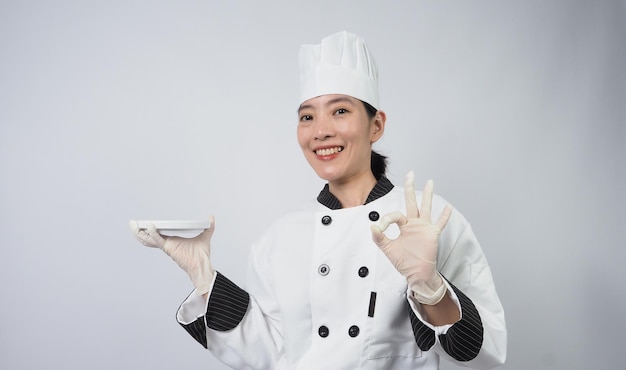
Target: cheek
point(301, 137)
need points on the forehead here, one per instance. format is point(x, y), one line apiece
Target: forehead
point(325, 100)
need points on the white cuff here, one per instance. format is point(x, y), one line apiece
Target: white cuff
point(194, 306)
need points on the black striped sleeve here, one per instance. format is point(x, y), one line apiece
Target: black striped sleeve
point(227, 306)
point(462, 341)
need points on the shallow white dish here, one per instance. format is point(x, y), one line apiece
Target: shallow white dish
point(176, 226)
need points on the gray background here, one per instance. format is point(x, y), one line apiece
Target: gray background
point(181, 109)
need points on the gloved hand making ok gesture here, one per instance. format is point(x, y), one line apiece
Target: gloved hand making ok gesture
point(191, 254)
point(414, 252)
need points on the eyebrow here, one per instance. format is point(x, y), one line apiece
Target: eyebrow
point(330, 102)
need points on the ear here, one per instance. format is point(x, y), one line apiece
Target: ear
point(378, 126)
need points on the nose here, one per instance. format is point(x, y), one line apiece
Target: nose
point(324, 129)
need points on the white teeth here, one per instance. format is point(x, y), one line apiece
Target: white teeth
point(328, 151)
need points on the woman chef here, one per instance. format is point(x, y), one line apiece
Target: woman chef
point(328, 286)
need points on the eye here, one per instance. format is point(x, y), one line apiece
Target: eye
point(341, 111)
point(306, 117)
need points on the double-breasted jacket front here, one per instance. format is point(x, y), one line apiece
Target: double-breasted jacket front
point(319, 294)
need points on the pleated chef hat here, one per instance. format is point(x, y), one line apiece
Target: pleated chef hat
point(340, 64)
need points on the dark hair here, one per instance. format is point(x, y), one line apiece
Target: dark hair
point(379, 161)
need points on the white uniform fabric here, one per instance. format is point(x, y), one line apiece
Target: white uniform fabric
point(303, 275)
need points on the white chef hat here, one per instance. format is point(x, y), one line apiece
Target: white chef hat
point(340, 64)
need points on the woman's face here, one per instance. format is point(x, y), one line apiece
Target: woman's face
point(336, 136)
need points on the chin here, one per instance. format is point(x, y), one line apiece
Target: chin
point(326, 175)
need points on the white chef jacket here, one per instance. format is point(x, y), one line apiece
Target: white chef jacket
point(321, 295)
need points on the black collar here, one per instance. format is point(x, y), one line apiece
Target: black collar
point(382, 187)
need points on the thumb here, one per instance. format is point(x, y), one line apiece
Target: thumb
point(208, 233)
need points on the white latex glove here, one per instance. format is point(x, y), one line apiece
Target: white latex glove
point(414, 252)
point(191, 254)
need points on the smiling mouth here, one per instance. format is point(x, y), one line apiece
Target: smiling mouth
point(329, 151)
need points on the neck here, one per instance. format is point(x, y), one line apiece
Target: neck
point(353, 192)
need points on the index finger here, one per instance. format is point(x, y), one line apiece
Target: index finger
point(409, 196)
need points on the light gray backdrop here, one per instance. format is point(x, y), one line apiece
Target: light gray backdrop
point(114, 110)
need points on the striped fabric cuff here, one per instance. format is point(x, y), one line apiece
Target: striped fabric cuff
point(227, 306)
point(197, 330)
point(465, 338)
point(462, 341)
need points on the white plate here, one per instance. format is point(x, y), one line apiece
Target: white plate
point(176, 226)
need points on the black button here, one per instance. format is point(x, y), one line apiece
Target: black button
point(323, 269)
point(374, 216)
point(363, 271)
point(323, 331)
point(354, 331)
point(326, 220)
